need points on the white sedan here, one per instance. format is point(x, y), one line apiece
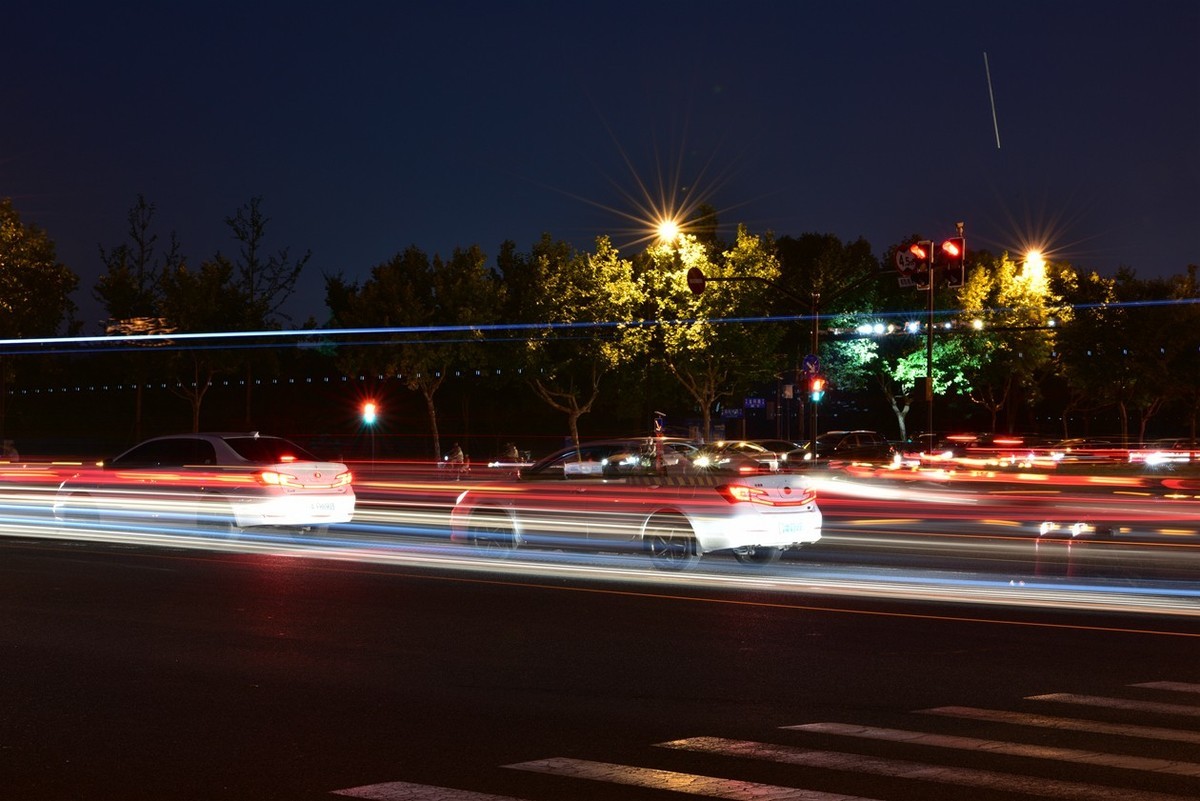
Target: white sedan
point(222, 483)
point(640, 494)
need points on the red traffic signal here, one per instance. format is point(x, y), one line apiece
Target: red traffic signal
point(816, 388)
point(954, 256)
point(370, 413)
point(923, 252)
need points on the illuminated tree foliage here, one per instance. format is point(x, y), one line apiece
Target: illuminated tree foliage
point(1005, 315)
point(585, 307)
point(715, 343)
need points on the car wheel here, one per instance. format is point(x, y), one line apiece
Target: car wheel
point(670, 543)
point(79, 512)
point(492, 533)
point(219, 522)
point(757, 555)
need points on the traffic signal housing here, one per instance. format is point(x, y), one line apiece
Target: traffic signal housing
point(816, 389)
point(923, 252)
point(954, 257)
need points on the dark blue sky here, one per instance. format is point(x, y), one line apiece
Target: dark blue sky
point(376, 126)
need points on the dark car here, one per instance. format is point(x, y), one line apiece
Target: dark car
point(849, 446)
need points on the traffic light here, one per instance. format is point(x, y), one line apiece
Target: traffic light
point(816, 389)
point(954, 257)
point(369, 413)
point(923, 252)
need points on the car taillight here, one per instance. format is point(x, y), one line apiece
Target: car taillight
point(342, 479)
point(277, 479)
point(741, 493)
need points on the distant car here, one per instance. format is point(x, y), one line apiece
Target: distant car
point(221, 483)
point(738, 456)
point(636, 494)
point(850, 446)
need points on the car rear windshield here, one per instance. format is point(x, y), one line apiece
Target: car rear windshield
point(269, 450)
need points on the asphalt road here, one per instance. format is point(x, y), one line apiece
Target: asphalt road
point(136, 671)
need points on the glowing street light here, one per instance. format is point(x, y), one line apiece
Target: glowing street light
point(668, 230)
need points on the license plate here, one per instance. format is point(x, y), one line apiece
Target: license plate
point(792, 529)
point(321, 507)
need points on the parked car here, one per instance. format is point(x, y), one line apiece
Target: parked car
point(850, 446)
point(644, 495)
point(221, 483)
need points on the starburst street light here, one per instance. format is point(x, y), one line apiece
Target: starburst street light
point(668, 230)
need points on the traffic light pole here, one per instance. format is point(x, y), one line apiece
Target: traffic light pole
point(816, 345)
point(929, 361)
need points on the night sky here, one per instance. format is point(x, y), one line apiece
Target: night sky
point(369, 127)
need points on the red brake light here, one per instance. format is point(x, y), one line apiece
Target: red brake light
point(276, 479)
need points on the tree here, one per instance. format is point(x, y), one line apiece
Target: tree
point(199, 302)
point(266, 280)
point(130, 289)
point(417, 298)
point(1081, 346)
point(35, 288)
point(1183, 346)
point(585, 307)
point(1120, 346)
point(1006, 312)
point(715, 343)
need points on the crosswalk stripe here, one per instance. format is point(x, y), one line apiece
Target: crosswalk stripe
point(690, 783)
point(1070, 724)
point(1123, 761)
point(405, 791)
point(1173, 686)
point(899, 768)
point(1119, 703)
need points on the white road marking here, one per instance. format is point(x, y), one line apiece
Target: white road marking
point(1070, 724)
point(919, 771)
point(1119, 703)
point(1123, 761)
point(405, 791)
point(675, 781)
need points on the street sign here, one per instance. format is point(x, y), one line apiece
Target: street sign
point(906, 262)
point(695, 279)
point(811, 365)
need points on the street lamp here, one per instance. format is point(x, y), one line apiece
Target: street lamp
point(668, 230)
